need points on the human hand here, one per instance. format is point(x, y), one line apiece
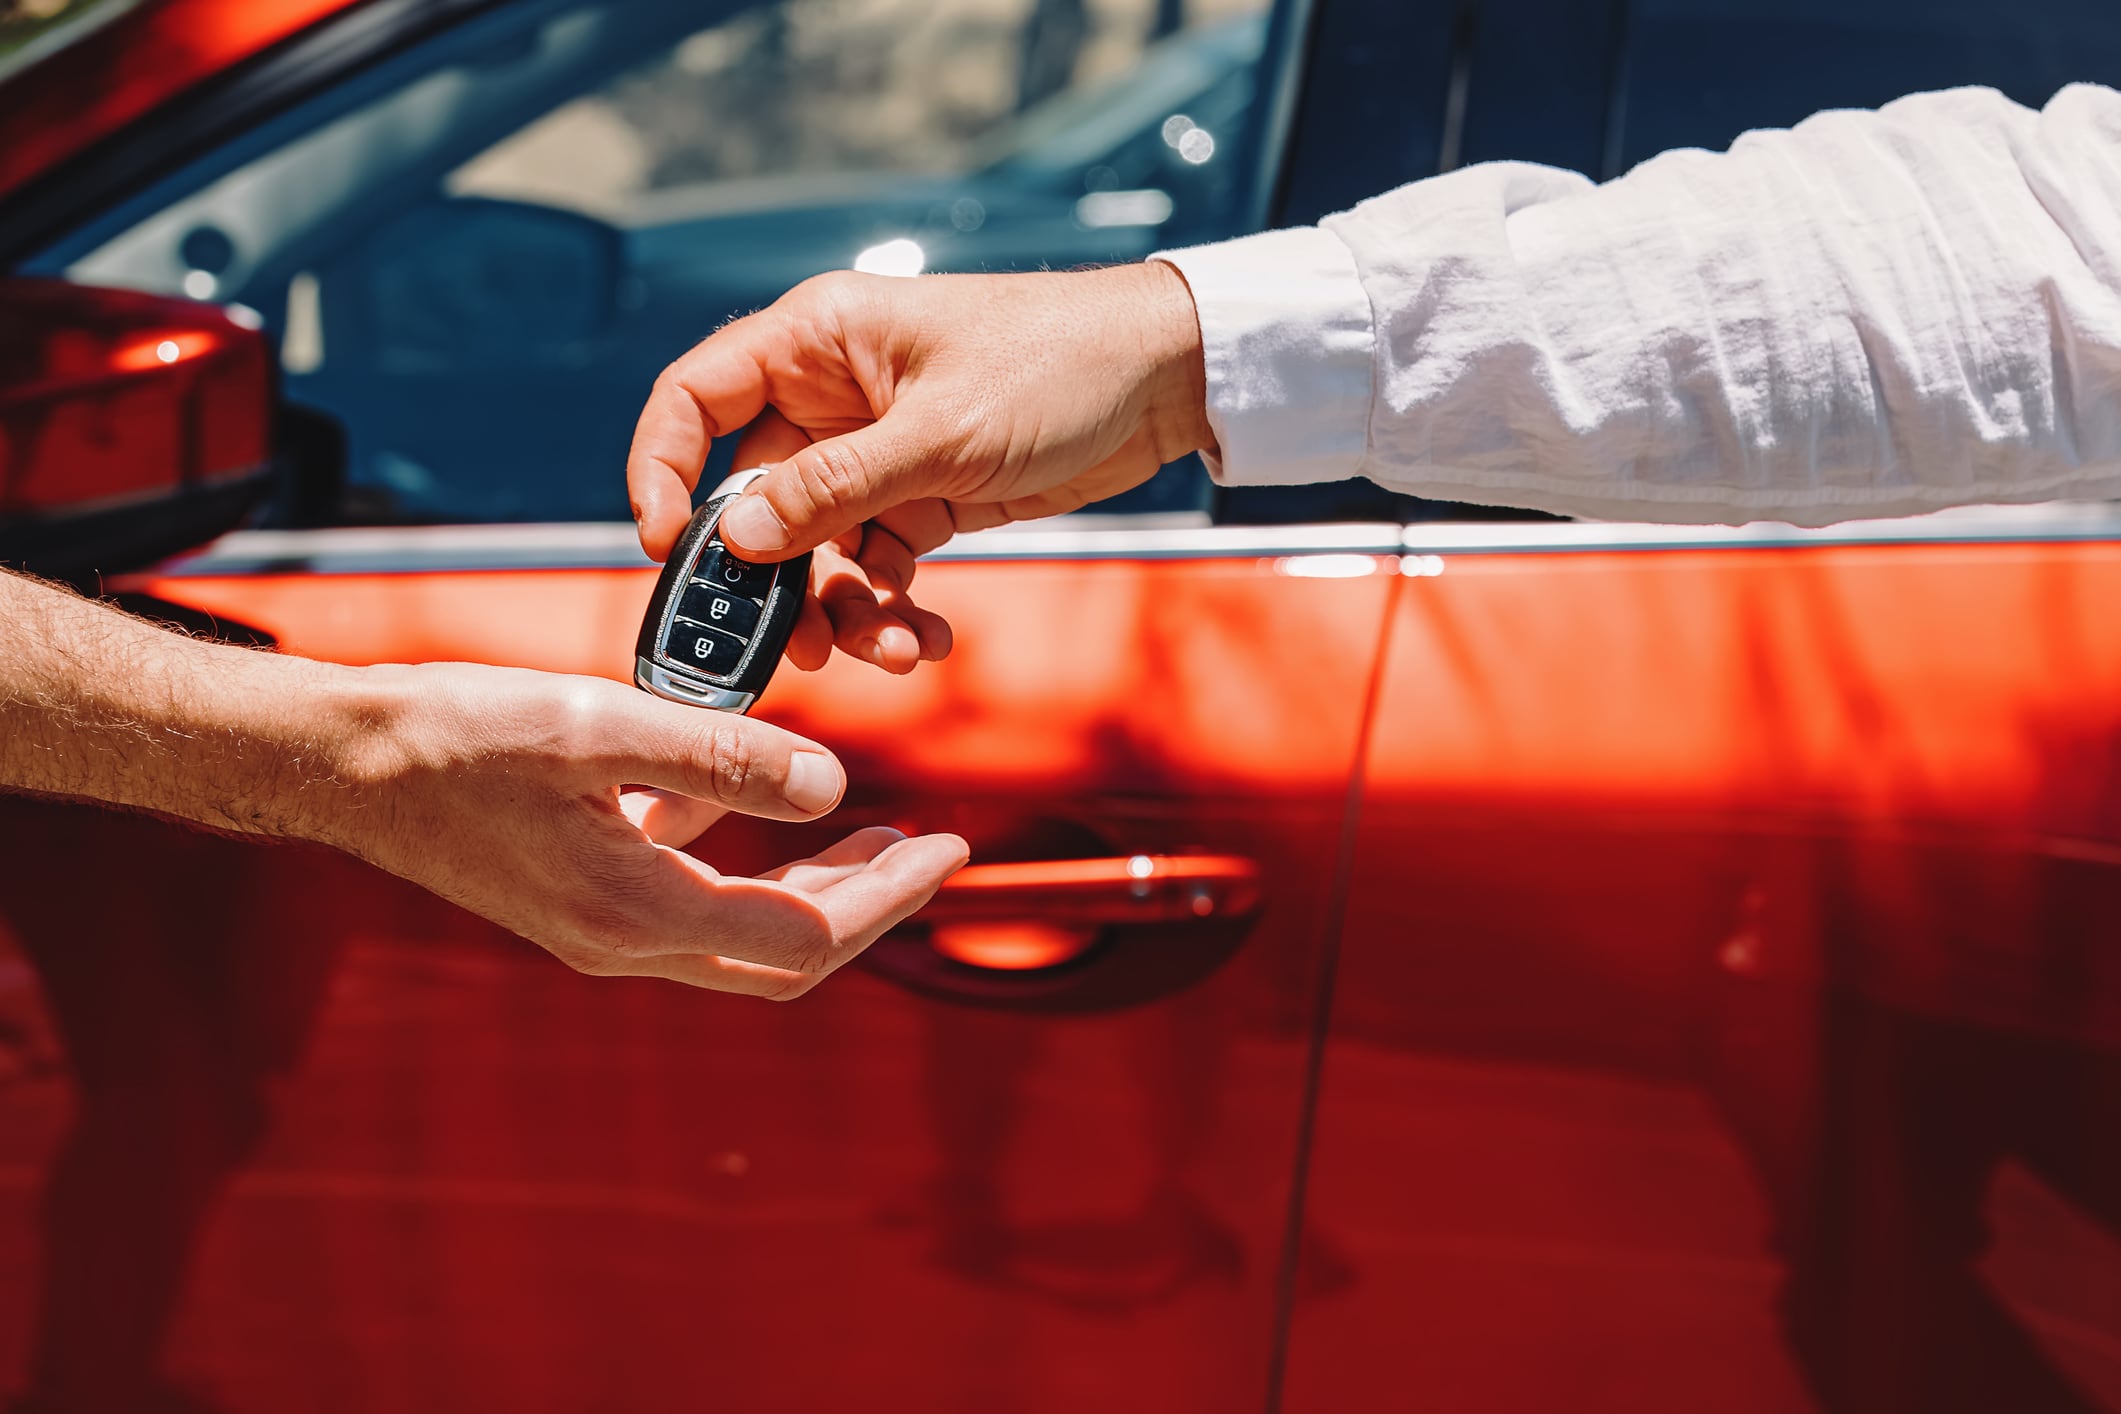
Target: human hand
point(556, 806)
point(899, 412)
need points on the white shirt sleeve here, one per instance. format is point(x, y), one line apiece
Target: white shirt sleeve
point(1868, 314)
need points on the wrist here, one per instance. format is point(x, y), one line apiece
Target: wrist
point(1177, 377)
point(1289, 347)
point(334, 741)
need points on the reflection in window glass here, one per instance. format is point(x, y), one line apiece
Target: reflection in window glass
point(820, 87)
point(478, 264)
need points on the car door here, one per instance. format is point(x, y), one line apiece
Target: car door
point(288, 1133)
point(1726, 1013)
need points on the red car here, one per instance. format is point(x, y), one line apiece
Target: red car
point(1414, 958)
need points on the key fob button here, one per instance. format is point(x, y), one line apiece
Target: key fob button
point(710, 604)
point(703, 649)
point(740, 577)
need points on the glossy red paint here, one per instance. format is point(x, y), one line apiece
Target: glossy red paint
point(113, 396)
point(344, 1147)
point(1724, 1020)
point(1729, 1005)
point(130, 66)
point(1030, 706)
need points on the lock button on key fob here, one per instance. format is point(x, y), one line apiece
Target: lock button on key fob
point(716, 626)
point(708, 604)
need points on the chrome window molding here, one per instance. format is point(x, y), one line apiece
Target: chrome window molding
point(1962, 525)
point(611, 545)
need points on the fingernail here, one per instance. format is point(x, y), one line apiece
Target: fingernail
point(813, 782)
point(874, 652)
point(752, 524)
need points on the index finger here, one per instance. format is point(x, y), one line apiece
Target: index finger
point(717, 387)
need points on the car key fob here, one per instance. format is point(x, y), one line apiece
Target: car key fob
point(716, 627)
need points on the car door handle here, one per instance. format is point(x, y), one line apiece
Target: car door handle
point(1094, 893)
point(1075, 935)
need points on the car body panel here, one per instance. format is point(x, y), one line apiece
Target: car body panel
point(490, 1183)
point(123, 70)
point(1729, 1009)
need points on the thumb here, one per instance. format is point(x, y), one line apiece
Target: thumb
point(737, 763)
point(832, 486)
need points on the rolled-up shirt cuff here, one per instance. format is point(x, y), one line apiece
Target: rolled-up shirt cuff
point(1286, 332)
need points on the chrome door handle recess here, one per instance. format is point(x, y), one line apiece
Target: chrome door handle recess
point(1122, 889)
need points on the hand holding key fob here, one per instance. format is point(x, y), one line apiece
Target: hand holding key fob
point(717, 625)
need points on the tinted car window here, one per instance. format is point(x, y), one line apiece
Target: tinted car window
point(1600, 87)
point(477, 259)
point(1696, 73)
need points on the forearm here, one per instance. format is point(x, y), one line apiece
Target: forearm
point(500, 789)
point(1873, 313)
point(98, 705)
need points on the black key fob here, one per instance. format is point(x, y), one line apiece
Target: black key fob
point(717, 624)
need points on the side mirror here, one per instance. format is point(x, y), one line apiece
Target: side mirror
point(470, 282)
point(131, 426)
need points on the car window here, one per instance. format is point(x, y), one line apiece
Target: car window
point(477, 258)
point(1599, 88)
point(1697, 73)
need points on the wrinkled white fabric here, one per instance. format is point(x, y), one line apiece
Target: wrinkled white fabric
point(1872, 313)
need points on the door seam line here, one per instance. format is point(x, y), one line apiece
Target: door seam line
point(1287, 1269)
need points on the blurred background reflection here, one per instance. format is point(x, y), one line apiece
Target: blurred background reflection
point(525, 222)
